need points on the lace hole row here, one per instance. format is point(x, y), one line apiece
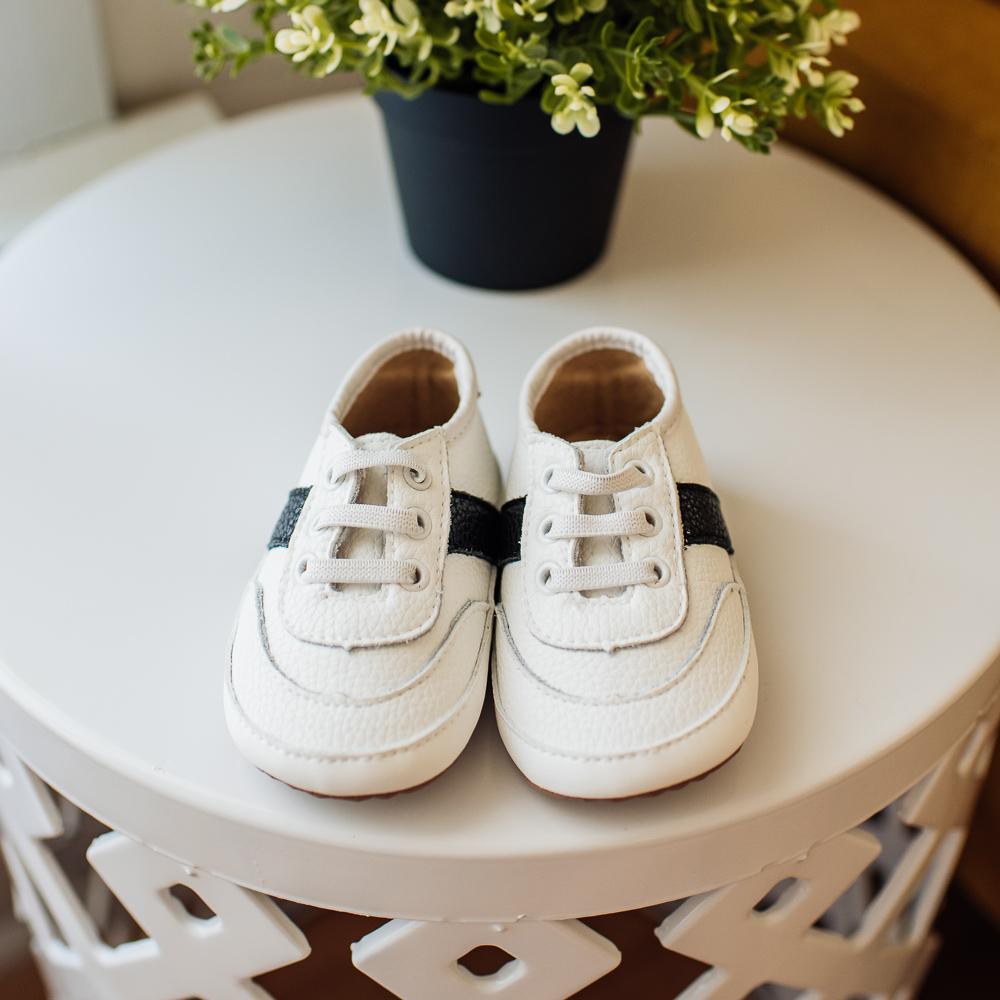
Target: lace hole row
point(420, 575)
point(660, 568)
point(423, 521)
point(653, 521)
point(640, 467)
point(419, 479)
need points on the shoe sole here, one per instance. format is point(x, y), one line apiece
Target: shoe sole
point(640, 795)
point(363, 798)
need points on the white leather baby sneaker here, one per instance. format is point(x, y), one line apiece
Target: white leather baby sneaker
point(360, 657)
point(625, 662)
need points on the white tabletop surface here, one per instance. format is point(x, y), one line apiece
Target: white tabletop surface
point(171, 335)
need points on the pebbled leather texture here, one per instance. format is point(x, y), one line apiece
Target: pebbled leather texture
point(620, 693)
point(366, 689)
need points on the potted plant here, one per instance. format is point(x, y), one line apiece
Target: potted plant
point(509, 121)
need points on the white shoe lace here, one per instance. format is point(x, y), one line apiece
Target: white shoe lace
point(410, 521)
point(642, 521)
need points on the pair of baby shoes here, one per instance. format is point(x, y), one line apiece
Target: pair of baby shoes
point(623, 660)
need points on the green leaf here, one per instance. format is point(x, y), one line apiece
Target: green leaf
point(692, 17)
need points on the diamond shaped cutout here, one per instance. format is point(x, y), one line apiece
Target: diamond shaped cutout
point(448, 961)
point(487, 961)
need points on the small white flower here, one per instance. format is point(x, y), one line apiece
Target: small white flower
point(840, 23)
point(736, 122)
point(576, 109)
point(487, 12)
point(227, 6)
point(311, 35)
point(377, 22)
point(838, 100)
point(830, 29)
point(711, 104)
point(704, 120)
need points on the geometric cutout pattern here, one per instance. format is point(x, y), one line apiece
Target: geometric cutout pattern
point(25, 802)
point(206, 937)
point(945, 798)
point(764, 930)
point(180, 956)
point(420, 960)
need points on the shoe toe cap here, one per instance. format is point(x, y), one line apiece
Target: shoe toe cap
point(692, 713)
point(349, 739)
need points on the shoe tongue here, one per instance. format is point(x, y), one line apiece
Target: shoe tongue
point(595, 454)
point(377, 441)
point(597, 551)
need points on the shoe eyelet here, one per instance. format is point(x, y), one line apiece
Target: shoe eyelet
point(653, 519)
point(423, 524)
point(420, 578)
point(644, 469)
point(547, 478)
point(545, 576)
point(662, 571)
point(333, 481)
point(544, 529)
point(419, 479)
point(302, 566)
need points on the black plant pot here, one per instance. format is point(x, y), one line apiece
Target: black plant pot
point(493, 197)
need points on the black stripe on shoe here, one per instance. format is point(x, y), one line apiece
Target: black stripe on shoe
point(474, 527)
point(474, 524)
point(511, 520)
point(288, 518)
point(701, 520)
point(701, 517)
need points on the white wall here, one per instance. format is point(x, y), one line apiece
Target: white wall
point(53, 77)
point(150, 56)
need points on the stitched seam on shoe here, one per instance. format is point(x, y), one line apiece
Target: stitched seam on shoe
point(645, 751)
point(272, 744)
point(686, 668)
point(341, 700)
point(625, 755)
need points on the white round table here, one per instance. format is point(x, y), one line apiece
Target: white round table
point(170, 337)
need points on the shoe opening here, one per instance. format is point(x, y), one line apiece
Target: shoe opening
point(409, 393)
point(603, 395)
